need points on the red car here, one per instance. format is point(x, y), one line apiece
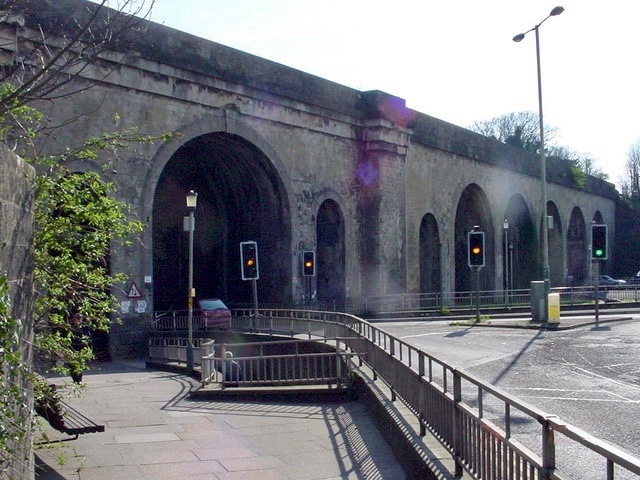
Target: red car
point(214, 313)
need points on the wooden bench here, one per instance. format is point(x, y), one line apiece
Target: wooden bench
point(64, 418)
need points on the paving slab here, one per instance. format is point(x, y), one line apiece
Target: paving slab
point(155, 431)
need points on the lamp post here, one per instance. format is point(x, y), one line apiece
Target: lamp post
point(505, 229)
point(543, 167)
point(192, 200)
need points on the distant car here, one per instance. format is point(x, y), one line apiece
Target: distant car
point(607, 280)
point(214, 312)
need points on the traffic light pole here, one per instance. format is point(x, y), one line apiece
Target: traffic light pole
point(477, 282)
point(597, 295)
point(254, 286)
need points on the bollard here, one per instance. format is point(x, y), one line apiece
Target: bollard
point(554, 308)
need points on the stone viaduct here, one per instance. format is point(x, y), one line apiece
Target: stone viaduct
point(383, 193)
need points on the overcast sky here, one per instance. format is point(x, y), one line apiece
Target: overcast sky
point(455, 59)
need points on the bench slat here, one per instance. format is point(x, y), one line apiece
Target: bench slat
point(64, 418)
point(77, 423)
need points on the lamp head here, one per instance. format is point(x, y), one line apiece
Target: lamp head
point(556, 11)
point(192, 200)
point(519, 37)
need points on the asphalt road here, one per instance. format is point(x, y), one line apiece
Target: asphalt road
point(589, 377)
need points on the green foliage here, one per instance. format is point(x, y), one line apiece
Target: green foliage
point(77, 219)
point(579, 176)
point(14, 420)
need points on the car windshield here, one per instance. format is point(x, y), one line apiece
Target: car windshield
point(212, 304)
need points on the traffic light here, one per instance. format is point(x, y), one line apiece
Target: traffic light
point(475, 244)
point(308, 263)
point(598, 242)
point(249, 260)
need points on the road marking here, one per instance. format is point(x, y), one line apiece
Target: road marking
point(425, 334)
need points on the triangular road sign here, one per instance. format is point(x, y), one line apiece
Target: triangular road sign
point(134, 292)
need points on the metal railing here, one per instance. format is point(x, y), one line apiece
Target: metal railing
point(432, 303)
point(176, 320)
point(260, 366)
point(175, 349)
point(451, 301)
point(489, 433)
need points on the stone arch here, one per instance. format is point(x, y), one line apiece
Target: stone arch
point(241, 196)
point(331, 270)
point(555, 246)
point(519, 245)
point(556, 257)
point(430, 255)
point(577, 247)
point(473, 209)
point(598, 219)
point(227, 120)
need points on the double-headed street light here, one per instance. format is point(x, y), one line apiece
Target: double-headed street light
point(543, 167)
point(192, 200)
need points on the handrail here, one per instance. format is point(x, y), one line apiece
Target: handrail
point(433, 303)
point(452, 403)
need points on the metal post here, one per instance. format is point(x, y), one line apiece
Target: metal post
point(546, 273)
point(505, 226)
point(597, 295)
point(191, 295)
point(477, 282)
point(548, 450)
point(254, 286)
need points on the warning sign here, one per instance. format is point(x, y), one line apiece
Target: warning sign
point(134, 291)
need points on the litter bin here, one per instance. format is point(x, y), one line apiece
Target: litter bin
point(538, 313)
point(554, 308)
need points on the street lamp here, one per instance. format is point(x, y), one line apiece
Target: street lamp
point(505, 229)
point(192, 200)
point(543, 167)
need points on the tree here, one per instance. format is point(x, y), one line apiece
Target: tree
point(77, 217)
point(630, 182)
point(41, 72)
point(521, 129)
point(582, 164)
point(77, 220)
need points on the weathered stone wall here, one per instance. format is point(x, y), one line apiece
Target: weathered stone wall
point(16, 264)
point(384, 165)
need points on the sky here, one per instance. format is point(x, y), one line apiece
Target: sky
point(454, 60)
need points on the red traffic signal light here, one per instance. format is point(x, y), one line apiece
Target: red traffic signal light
point(249, 260)
point(475, 245)
point(308, 263)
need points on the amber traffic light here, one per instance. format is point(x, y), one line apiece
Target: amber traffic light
point(475, 245)
point(308, 263)
point(249, 260)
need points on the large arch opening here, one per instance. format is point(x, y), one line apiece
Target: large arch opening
point(519, 242)
point(331, 255)
point(430, 247)
point(240, 197)
point(554, 247)
point(556, 262)
point(577, 248)
point(473, 209)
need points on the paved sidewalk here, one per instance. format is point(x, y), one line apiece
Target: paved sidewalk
point(154, 431)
